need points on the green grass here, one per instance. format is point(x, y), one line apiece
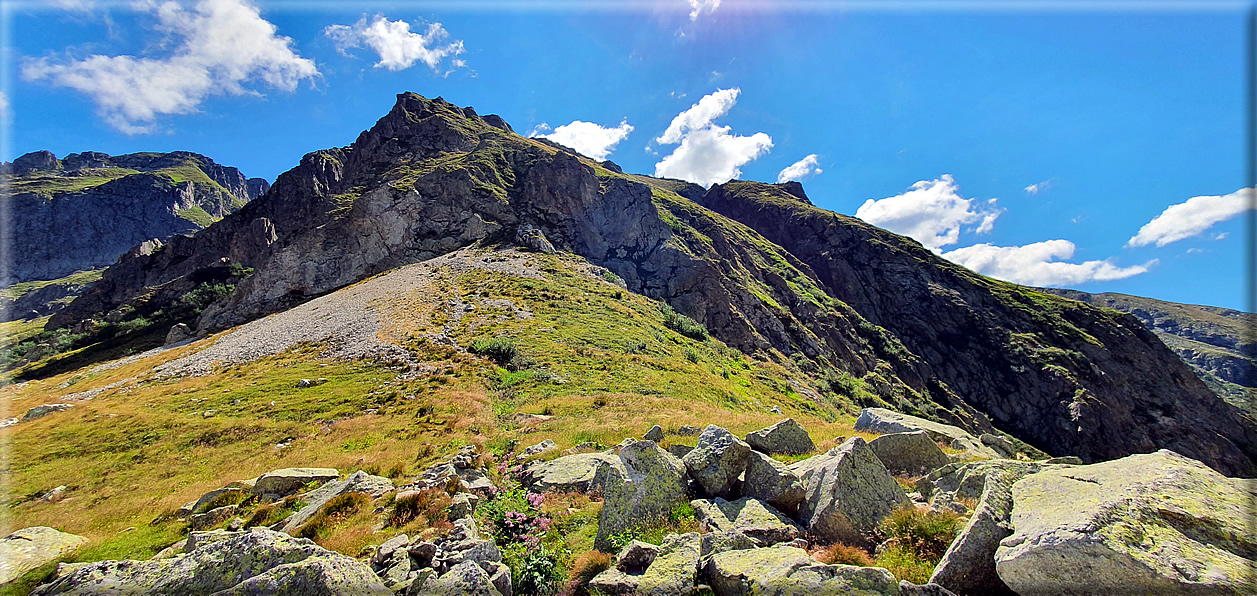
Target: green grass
point(18, 290)
point(49, 184)
point(198, 216)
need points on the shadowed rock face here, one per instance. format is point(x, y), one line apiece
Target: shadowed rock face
point(757, 265)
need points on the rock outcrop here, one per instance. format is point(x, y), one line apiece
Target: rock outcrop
point(784, 570)
point(848, 492)
point(909, 452)
point(648, 483)
point(31, 548)
point(717, 461)
point(787, 437)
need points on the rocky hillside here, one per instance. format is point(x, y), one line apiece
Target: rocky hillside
point(867, 313)
point(83, 211)
point(1215, 342)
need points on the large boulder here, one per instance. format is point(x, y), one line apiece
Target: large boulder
point(465, 579)
point(910, 453)
point(771, 481)
point(30, 548)
point(674, 569)
point(848, 492)
point(757, 521)
point(1156, 523)
point(881, 420)
point(717, 461)
point(959, 486)
point(571, 473)
point(788, 571)
point(255, 562)
point(281, 483)
point(646, 483)
point(786, 436)
point(358, 482)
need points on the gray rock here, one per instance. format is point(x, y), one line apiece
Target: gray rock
point(689, 431)
point(1156, 523)
point(783, 570)
point(538, 449)
point(635, 557)
point(30, 548)
point(771, 481)
point(288, 481)
point(907, 588)
point(719, 542)
point(1001, 445)
point(358, 482)
point(786, 436)
point(570, 473)
point(202, 504)
point(197, 540)
point(959, 486)
point(654, 434)
point(674, 568)
point(465, 579)
point(1073, 460)
point(848, 492)
point(38, 412)
point(717, 461)
point(499, 576)
point(648, 482)
point(398, 569)
point(462, 505)
point(679, 451)
point(416, 584)
point(422, 553)
point(213, 517)
point(614, 582)
point(253, 563)
point(389, 547)
point(910, 452)
point(179, 332)
point(758, 521)
point(881, 420)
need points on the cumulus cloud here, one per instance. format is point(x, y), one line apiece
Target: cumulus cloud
point(708, 154)
point(698, 6)
point(397, 46)
point(1039, 264)
point(586, 138)
point(808, 166)
point(931, 212)
point(1192, 217)
point(223, 44)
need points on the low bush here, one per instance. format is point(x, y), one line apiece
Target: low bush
point(842, 554)
point(682, 324)
point(501, 350)
point(429, 505)
point(914, 541)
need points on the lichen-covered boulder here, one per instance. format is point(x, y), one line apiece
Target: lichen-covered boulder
point(964, 483)
point(771, 481)
point(571, 473)
point(635, 557)
point(910, 453)
point(614, 582)
point(654, 434)
point(786, 436)
point(788, 571)
point(646, 483)
point(31, 548)
point(465, 579)
point(757, 521)
point(358, 482)
point(538, 449)
point(256, 562)
point(281, 483)
point(881, 420)
point(675, 567)
point(719, 542)
point(1156, 523)
point(907, 588)
point(848, 492)
point(717, 461)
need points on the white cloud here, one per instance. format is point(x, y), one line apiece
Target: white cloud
point(1038, 264)
point(931, 211)
point(4, 107)
point(1192, 217)
point(223, 45)
point(397, 46)
point(1221, 236)
point(808, 166)
point(1039, 187)
point(74, 5)
point(708, 154)
point(586, 138)
point(697, 7)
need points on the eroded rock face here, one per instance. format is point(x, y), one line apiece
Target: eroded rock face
point(567, 473)
point(911, 452)
point(717, 460)
point(255, 562)
point(31, 548)
point(1158, 523)
point(785, 570)
point(674, 569)
point(759, 522)
point(848, 492)
point(786, 436)
point(648, 483)
point(287, 481)
point(772, 482)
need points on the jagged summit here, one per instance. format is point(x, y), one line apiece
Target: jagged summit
point(763, 269)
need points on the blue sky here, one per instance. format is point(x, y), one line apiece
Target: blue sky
point(1098, 147)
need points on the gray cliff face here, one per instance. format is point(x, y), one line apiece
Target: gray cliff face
point(84, 211)
point(779, 278)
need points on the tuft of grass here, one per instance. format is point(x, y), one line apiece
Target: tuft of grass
point(336, 512)
point(428, 507)
point(678, 521)
point(501, 350)
point(682, 324)
point(915, 541)
point(583, 569)
point(842, 554)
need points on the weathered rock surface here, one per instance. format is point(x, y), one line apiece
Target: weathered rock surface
point(907, 588)
point(635, 557)
point(909, 452)
point(654, 434)
point(881, 420)
point(255, 562)
point(570, 473)
point(614, 582)
point(648, 483)
point(786, 436)
point(788, 571)
point(1158, 523)
point(38, 412)
point(848, 492)
point(30, 548)
point(761, 523)
point(358, 482)
point(287, 481)
point(466, 578)
point(538, 449)
point(674, 569)
point(717, 461)
point(771, 481)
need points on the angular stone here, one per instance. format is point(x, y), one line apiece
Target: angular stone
point(689, 431)
point(465, 579)
point(679, 451)
point(538, 449)
point(635, 557)
point(719, 542)
point(462, 505)
point(907, 588)
point(646, 483)
point(674, 568)
point(786, 436)
point(759, 522)
point(786, 571)
point(202, 504)
point(910, 453)
point(848, 492)
point(358, 482)
point(717, 461)
point(654, 434)
point(1156, 523)
point(499, 576)
point(213, 517)
point(771, 481)
point(291, 480)
point(1001, 445)
point(571, 473)
point(30, 548)
point(614, 582)
point(390, 546)
point(883, 421)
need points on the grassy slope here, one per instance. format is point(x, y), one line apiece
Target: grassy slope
point(602, 363)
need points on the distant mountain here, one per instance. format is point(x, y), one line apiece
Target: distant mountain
point(83, 211)
point(1213, 341)
point(868, 315)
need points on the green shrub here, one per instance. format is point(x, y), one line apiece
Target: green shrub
point(204, 295)
point(678, 521)
point(914, 541)
point(534, 570)
point(501, 350)
point(338, 509)
point(692, 355)
point(682, 324)
point(428, 504)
